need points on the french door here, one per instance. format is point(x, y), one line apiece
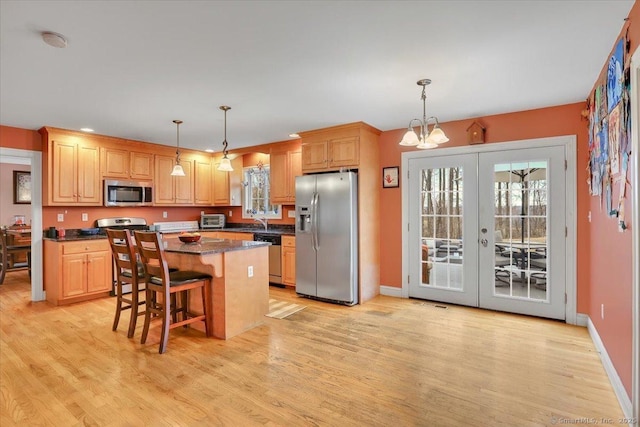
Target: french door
point(488, 230)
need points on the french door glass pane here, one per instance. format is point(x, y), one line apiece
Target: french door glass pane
point(521, 230)
point(441, 227)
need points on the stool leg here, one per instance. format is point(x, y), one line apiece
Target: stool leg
point(206, 298)
point(151, 303)
point(116, 319)
point(166, 320)
point(134, 311)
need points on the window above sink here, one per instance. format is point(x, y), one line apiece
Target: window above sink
point(255, 194)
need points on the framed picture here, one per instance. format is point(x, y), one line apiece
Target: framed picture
point(21, 187)
point(390, 177)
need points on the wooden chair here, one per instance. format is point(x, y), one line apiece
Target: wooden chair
point(163, 286)
point(6, 251)
point(128, 272)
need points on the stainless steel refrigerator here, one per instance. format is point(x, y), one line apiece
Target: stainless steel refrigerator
point(327, 237)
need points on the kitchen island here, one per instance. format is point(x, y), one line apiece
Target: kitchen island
point(240, 271)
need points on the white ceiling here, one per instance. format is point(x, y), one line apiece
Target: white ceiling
point(131, 67)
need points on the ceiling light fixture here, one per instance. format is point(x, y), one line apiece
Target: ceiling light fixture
point(54, 39)
point(177, 169)
point(225, 163)
point(426, 139)
point(87, 130)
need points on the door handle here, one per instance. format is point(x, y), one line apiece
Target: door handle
point(484, 242)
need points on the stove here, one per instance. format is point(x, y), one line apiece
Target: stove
point(121, 223)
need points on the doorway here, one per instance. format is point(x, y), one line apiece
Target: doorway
point(489, 229)
point(33, 158)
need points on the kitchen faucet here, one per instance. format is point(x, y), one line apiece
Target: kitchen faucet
point(262, 221)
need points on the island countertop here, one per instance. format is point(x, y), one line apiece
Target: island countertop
point(207, 245)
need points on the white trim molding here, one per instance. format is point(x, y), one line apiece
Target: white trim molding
point(616, 383)
point(390, 291)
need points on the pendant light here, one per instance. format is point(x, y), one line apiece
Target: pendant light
point(225, 163)
point(177, 169)
point(426, 140)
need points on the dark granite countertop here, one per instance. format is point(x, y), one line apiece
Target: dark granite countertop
point(278, 231)
point(76, 238)
point(208, 245)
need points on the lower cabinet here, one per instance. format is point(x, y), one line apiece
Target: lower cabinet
point(289, 260)
point(77, 271)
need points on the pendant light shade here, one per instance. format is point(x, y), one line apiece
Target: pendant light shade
point(225, 163)
point(177, 169)
point(424, 140)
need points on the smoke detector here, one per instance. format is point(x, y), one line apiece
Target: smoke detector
point(54, 39)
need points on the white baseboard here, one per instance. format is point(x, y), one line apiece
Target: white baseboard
point(616, 383)
point(582, 319)
point(391, 291)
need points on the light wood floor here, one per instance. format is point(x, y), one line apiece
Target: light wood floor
point(390, 362)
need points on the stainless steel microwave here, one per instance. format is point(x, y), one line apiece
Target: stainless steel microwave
point(127, 193)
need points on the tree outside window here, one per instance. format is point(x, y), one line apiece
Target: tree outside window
point(256, 194)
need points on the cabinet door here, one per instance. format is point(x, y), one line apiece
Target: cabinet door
point(184, 184)
point(279, 189)
point(89, 175)
point(74, 275)
point(63, 175)
point(314, 155)
point(289, 265)
point(98, 271)
point(163, 184)
point(114, 163)
point(343, 152)
point(221, 194)
point(203, 191)
point(141, 165)
point(295, 169)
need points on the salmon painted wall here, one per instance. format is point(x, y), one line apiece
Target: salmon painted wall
point(22, 139)
point(609, 267)
point(540, 123)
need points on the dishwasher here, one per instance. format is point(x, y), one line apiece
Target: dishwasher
point(275, 261)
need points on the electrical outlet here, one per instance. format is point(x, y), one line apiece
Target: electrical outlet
point(589, 216)
point(85, 217)
point(164, 214)
point(291, 214)
point(230, 213)
point(250, 271)
point(201, 212)
point(60, 217)
point(602, 311)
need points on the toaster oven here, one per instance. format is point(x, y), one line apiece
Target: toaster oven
point(212, 221)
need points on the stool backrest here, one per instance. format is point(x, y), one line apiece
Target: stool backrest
point(151, 251)
point(123, 251)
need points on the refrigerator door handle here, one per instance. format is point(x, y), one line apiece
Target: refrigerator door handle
point(314, 222)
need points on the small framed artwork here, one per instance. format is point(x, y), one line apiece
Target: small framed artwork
point(390, 177)
point(21, 187)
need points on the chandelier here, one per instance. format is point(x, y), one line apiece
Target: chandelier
point(225, 163)
point(426, 140)
point(177, 169)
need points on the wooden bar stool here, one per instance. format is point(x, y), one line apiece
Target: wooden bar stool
point(7, 251)
point(129, 272)
point(163, 286)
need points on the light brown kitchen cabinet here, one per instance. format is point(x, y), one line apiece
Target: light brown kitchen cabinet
point(330, 154)
point(125, 164)
point(203, 189)
point(283, 168)
point(227, 186)
point(289, 260)
point(71, 174)
point(173, 190)
point(77, 271)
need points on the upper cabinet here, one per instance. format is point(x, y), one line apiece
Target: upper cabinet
point(121, 163)
point(285, 165)
point(227, 186)
point(71, 169)
point(329, 151)
point(173, 190)
point(203, 189)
